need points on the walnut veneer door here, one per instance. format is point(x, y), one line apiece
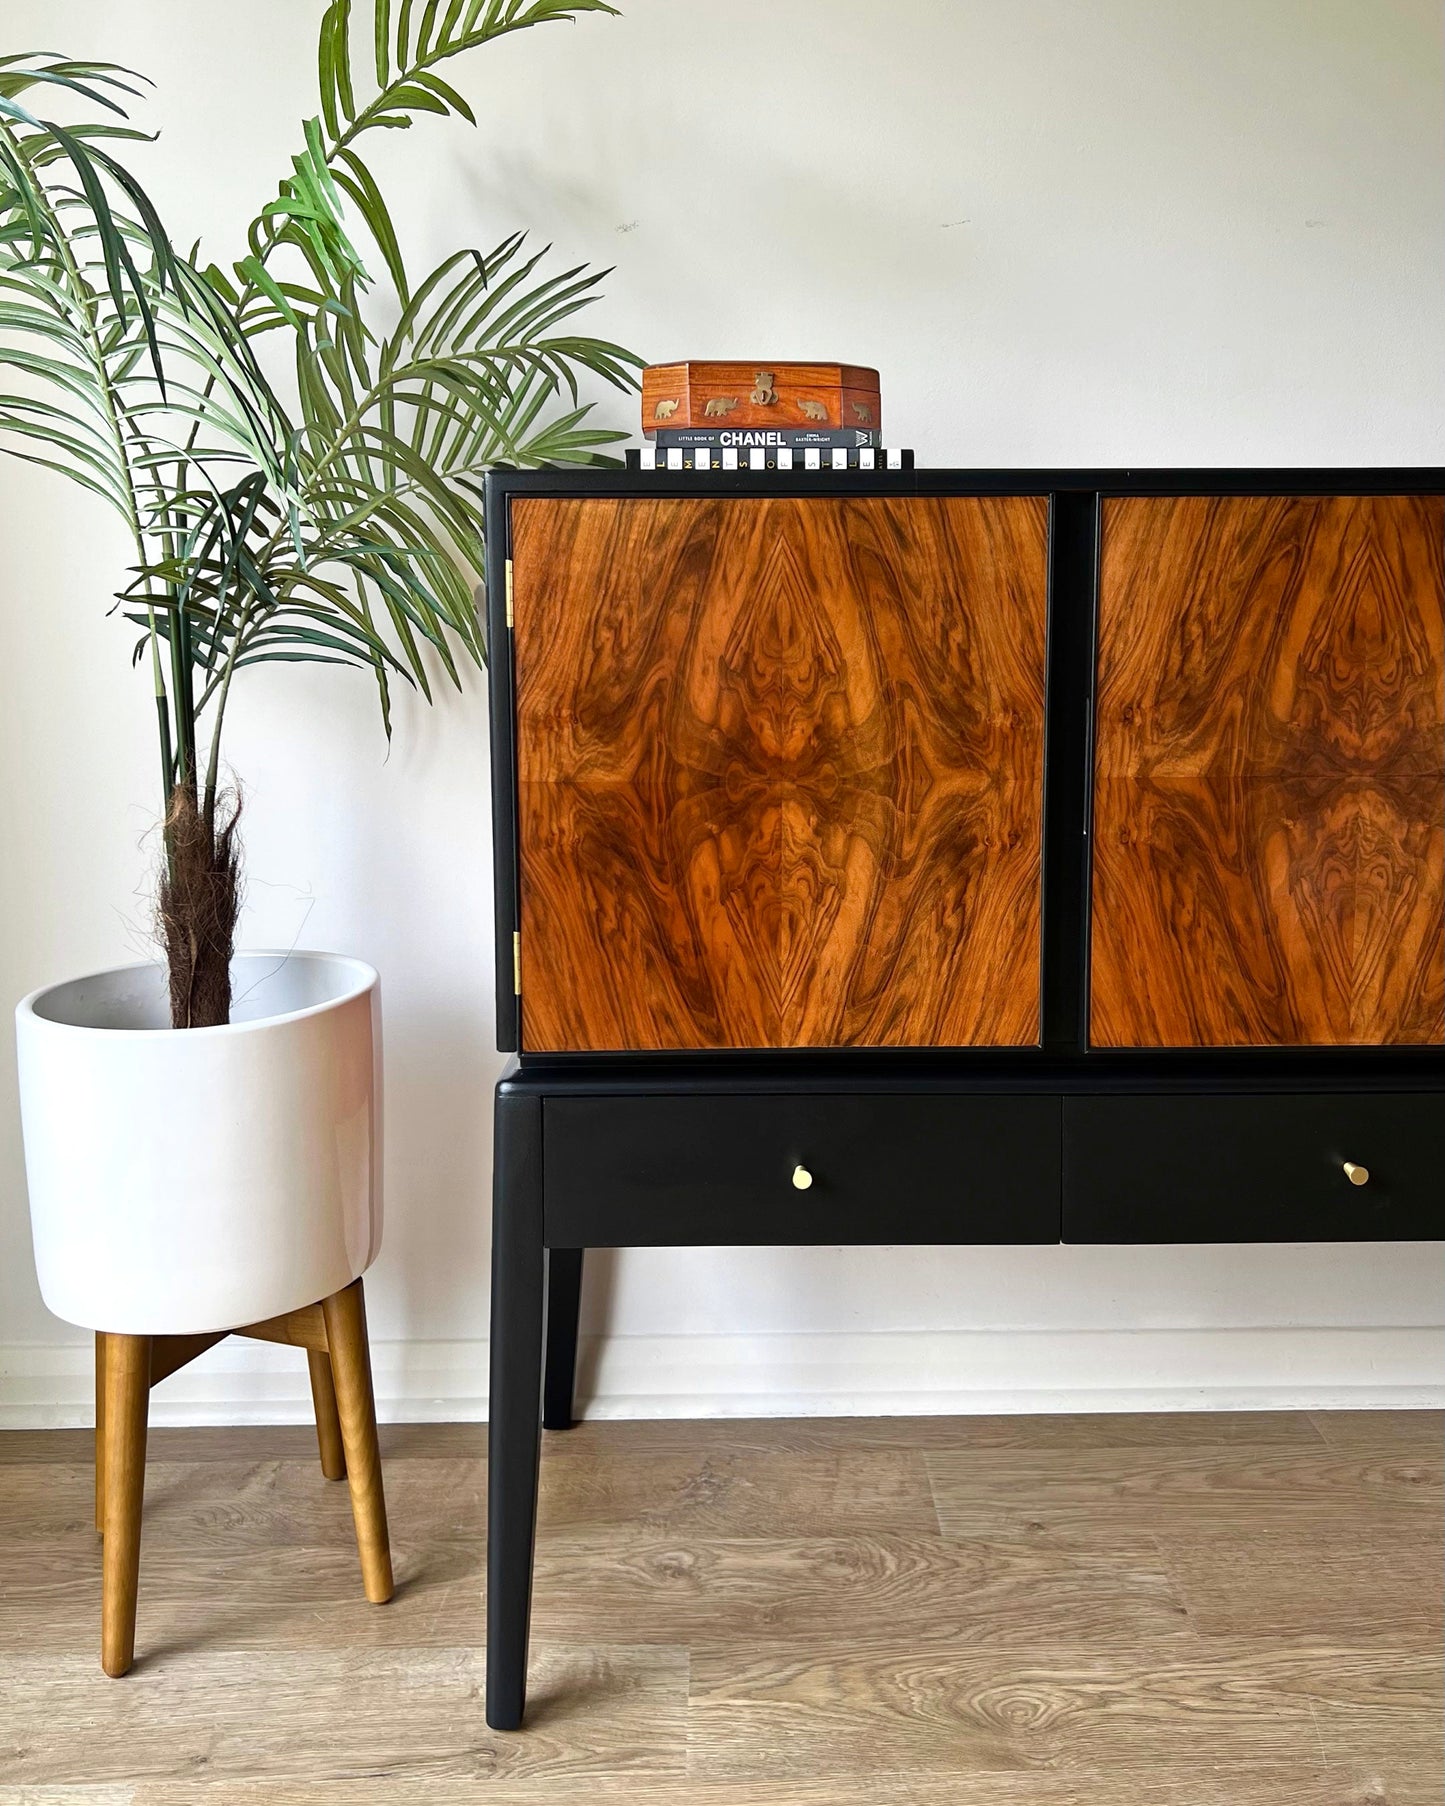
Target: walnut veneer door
point(780, 768)
point(1269, 806)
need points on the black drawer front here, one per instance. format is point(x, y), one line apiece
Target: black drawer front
point(675, 1170)
point(1255, 1168)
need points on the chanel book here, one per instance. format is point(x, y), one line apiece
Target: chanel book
point(745, 438)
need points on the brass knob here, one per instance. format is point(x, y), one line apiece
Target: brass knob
point(802, 1178)
point(1357, 1175)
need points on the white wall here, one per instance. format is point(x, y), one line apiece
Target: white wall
point(1120, 232)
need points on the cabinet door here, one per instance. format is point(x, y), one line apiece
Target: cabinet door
point(780, 768)
point(1269, 802)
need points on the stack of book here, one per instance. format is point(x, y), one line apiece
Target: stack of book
point(752, 416)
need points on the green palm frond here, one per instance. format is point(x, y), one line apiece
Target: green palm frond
point(115, 351)
point(66, 310)
point(477, 356)
point(345, 526)
point(386, 521)
point(383, 546)
point(116, 339)
point(407, 42)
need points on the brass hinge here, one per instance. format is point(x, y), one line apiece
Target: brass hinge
point(509, 592)
point(517, 962)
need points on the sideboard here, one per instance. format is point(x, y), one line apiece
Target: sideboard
point(952, 857)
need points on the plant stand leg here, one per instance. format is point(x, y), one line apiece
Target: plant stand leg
point(100, 1431)
point(345, 1315)
point(127, 1365)
point(564, 1304)
point(514, 1413)
point(328, 1423)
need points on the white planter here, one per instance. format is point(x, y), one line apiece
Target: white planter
point(185, 1180)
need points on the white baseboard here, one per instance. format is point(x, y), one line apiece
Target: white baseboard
point(47, 1386)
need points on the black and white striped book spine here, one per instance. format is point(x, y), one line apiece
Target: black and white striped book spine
point(757, 457)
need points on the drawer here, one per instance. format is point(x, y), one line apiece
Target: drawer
point(669, 1170)
point(1255, 1168)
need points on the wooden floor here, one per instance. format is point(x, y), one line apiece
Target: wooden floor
point(1089, 1611)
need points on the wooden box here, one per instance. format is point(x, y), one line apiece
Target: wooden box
point(786, 397)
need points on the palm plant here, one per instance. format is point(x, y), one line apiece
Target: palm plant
point(339, 522)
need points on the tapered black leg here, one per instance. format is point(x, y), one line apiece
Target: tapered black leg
point(564, 1303)
point(514, 1427)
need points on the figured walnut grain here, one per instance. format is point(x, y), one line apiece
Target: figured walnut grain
point(780, 770)
point(1269, 808)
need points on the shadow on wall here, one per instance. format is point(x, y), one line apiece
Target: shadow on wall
point(599, 1294)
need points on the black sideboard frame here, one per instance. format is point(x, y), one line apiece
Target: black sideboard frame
point(1068, 769)
point(506, 899)
point(536, 1284)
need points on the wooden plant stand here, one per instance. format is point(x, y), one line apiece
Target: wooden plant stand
point(333, 1333)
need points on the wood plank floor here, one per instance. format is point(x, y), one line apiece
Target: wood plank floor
point(1206, 1610)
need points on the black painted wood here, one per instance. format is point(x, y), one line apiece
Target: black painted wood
point(564, 1306)
point(701, 1169)
point(1073, 561)
point(1207, 1072)
point(1408, 479)
point(1200, 1145)
point(506, 908)
point(514, 1408)
point(1251, 1168)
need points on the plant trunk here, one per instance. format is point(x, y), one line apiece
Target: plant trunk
point(200, 898)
